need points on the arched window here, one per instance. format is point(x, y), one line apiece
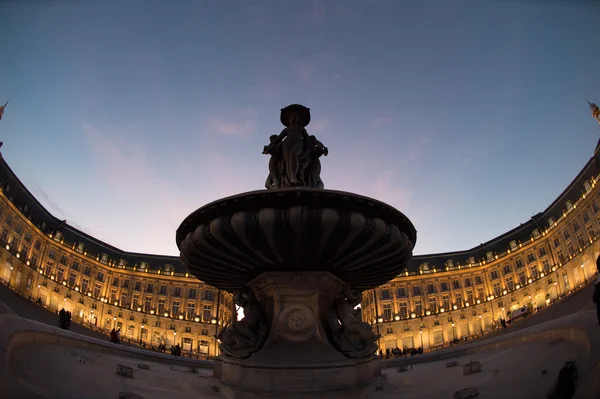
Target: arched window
point(513, 245)
point(587, 186)
point(569, 205)
point(168, 268)
point(551, 222)
point(535, 233)
point(58, 236)
point(489, 255)
point(143, 265)
point(104, 258)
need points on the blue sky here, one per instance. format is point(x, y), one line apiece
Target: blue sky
point(468, 116)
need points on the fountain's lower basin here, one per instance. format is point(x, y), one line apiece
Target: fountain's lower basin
point(297, 358)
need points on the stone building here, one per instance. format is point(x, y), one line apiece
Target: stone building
point(438, 298)
point(150, 298)
point(447, 296)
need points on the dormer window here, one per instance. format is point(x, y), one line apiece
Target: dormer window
point(168, 268)
point(587, 186)
point(535, 233)
point(143, 265)
point(122, 263)
point(104, 258)
point(80, 247)
point(471, 260)
point(25, 208)
point(58, 236)
point(569, 205)
point(424, 266)
point(513, 245)
point(551, 222)
point(489, 256)
point(7, 187)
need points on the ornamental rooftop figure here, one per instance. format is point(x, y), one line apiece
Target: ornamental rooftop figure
point(294, 154)
point(595, 111)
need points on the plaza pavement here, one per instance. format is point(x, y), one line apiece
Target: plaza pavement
point(505, 373)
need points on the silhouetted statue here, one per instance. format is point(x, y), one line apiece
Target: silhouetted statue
point(241, 339)
point(294, 154)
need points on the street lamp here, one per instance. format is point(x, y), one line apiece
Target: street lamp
point(140, 335)
point(421, 334)
point(103, 300)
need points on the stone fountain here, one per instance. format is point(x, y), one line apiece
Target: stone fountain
point(296, 257)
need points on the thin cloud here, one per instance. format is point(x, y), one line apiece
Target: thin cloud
point(381, 121)
point(236, 122)
point(307, 69)
point(143, 197)
point(320, 125)
point(317, 11)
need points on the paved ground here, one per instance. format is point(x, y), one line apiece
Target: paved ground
point(58, 372)
point(507, 373)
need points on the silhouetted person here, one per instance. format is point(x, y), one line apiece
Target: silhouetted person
point(596, 297)
point(566, 383)
point(113, 336)
point(62, 319)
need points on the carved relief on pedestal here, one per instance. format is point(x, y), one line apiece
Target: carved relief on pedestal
point(297, 323)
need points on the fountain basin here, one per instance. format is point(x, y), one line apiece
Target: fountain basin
point(360, 240)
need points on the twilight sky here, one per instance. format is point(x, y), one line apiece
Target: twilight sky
point(468, 116)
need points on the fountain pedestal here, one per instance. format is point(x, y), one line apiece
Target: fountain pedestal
point(297, 359)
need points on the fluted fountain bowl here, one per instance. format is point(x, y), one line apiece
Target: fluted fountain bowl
point(362, 241)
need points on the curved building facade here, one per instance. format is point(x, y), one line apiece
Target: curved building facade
point(150, 298)
point(437, 299)
point(448, 296)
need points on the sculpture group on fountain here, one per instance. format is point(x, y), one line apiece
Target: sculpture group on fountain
point(294, 154)
point(347, 333)
point(242, 338)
